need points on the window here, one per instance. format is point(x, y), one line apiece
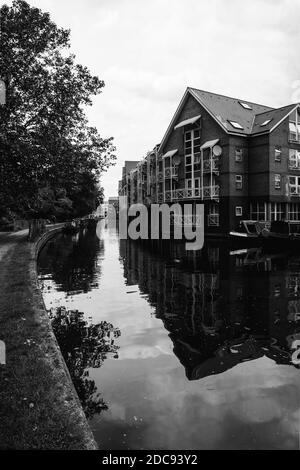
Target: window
point(191, 150)
point(238, 154)
point(294, 132)
point(293, 211)
point(197, 183)
point(167, 161)
point(294, 126)
point(258, 211)
point(277, 211)
point(238, 211)
point(238, 181)
point(294, 159)
point(213, 218)
point(235, 124)
point(277, 290)
point(245, 105)
point(278, 153)
point(265, 123)
point(294, 185)
point(188, 184)
point(277, 181)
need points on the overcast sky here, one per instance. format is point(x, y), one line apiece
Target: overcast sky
point(148, 52)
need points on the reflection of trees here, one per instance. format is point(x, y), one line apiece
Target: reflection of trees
point(84, 346)
point(72, 261)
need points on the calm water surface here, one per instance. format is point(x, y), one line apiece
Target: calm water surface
point(185, 350)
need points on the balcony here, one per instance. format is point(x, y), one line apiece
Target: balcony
point(209, 192)
point(188, 220)
point(293, 138)
point(160, 176)
point(211, 165)
point(171, 172)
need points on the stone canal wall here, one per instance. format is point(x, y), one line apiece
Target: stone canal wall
point(40, 407)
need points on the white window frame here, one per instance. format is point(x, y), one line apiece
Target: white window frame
point(238, 154)
point(294, 159)
point(198, 180)
point(188, 183)
point(294, 127)
point(238, 211)
point(294, 185)
point(277, 153)
point(277, 181)
point(194, 135)
point(213, 217)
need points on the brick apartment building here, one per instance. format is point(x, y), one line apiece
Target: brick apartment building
point(241, 159)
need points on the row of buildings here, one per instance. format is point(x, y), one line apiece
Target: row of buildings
point(240, 159)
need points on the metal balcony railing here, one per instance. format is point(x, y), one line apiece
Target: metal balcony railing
point(210, 165)
point(187, 220)
point(209, 192)
point(293, 138)
point(171, 172)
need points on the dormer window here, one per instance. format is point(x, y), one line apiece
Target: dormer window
point(235, 124)
point(245, 105)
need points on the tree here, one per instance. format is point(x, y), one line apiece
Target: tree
point(48, 151)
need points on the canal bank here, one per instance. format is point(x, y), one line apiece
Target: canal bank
point(40, 408)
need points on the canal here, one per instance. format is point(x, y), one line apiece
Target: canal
point(176, 350)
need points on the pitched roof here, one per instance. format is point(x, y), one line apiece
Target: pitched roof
point(274, 117)
point(234, 115)
point(225, 109)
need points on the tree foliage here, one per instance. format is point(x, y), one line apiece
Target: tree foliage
point(50, 158)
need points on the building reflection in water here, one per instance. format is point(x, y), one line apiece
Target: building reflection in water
point(72, 261)
point(220, 307)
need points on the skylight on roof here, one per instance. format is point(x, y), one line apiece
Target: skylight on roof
point(266, 122)
point(245, 105)
point(235, 124)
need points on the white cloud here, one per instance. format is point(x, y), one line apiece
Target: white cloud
point(149, 52)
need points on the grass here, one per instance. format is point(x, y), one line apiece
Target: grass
point(38, 406)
